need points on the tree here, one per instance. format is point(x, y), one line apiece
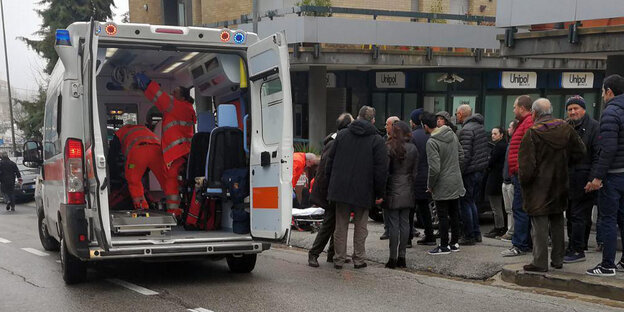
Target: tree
point(58, 14)
point(31, 120)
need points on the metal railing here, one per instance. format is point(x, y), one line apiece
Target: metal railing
point(329, 11)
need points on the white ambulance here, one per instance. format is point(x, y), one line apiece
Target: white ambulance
point(91, 93)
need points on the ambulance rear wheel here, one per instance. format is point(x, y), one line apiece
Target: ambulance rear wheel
point(74, 270)
point(241, 264)
point(48, 242)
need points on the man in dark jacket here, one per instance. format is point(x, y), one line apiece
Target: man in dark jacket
point(609, 174)
point(8, 173)
point(580, 204)
point(319, 197)
point(419, 138)
point(357, 170)
point(474, 142)
point(545, 153)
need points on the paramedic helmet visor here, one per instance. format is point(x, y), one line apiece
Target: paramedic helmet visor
point(62, 37)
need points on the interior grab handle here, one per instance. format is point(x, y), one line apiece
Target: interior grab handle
point(245, 147)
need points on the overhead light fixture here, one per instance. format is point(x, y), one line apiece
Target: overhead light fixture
point(172, 67)
point(110, 52)
point(190, 56)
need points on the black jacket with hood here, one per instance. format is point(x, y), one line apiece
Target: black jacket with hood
point(357, 166)
point(474, 141)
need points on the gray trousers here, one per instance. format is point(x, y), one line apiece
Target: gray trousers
point(496, 203)
point(398, 230)
point(539, 233)
point(508, 195)
point(360, 220)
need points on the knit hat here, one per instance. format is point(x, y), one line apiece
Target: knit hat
point(577, 99)
point(445, 115)
point(415, 117)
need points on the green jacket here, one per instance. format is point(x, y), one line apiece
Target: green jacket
point(443, 156)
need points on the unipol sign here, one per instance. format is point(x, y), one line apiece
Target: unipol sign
point(390, 80)
point(518, 80)
point(572, 80)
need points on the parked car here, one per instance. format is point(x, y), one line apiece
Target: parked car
point(26, 190)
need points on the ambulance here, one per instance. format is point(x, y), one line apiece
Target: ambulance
point(241, 86)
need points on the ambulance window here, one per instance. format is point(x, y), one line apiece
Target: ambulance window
point(271, 97)
point(51, 142)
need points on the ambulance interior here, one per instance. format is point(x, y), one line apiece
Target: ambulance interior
point(218, 85)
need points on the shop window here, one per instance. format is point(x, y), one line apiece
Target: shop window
point(394, 104)
point(493, 111)
point(463, 100)
point(410, 103)
point(435, 103)
point(558, 103)
point(432, 83)
point(591, 104)
point(509, 114)
point(379, 103)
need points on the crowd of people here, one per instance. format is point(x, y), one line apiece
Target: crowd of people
point(538, 173)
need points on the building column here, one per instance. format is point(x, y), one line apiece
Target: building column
point(317, 105)
point(615, 65)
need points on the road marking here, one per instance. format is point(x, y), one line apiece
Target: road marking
point(199, 310)
point(35, 252)
point(137, 288)
point(4, 240)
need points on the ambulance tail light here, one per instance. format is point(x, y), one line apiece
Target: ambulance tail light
point(74, 178)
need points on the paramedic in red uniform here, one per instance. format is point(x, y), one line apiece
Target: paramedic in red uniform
point(300, 162)
point(177, 130)
point(141, 148)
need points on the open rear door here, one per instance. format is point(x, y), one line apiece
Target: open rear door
point(271, 138)
point(95, 160)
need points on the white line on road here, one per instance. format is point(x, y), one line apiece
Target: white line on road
point(137, 288)
point(4, 240)
point(35, 252)
point(199, 310)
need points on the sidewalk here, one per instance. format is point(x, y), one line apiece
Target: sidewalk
point(483, 261)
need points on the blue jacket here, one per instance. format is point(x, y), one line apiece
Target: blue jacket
point(419, 138)
point(611, 138)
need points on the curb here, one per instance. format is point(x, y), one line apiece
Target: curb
point(604, 287)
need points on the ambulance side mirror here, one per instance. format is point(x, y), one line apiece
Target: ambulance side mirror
point(33, 154)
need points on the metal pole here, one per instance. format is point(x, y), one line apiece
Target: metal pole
point(255, 16)
point(6, 60)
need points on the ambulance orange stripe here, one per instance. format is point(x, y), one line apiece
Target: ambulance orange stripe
point(265, 197)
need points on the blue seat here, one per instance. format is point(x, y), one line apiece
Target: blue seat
point(205, 122)
point(226, 115)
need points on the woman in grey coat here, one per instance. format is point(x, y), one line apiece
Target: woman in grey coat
point(400, 198)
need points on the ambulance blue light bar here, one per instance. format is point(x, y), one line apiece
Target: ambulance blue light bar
point(62, 37)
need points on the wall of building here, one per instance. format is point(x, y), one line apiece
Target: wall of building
point(138, 14)
point(216, 11)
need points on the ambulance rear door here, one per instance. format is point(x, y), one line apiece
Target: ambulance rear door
point(271, 138)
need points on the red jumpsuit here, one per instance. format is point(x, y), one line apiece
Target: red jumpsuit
point(299, 163)
point(142, 150)
point(177, 131)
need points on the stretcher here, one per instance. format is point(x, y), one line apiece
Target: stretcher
point(308, 219)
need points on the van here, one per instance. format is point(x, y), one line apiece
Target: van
point(91, 94)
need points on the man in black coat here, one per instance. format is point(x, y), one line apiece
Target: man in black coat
point(580, 204)
point(357, 170)
point(318, 197)
point(8, 173)
point(420, 138)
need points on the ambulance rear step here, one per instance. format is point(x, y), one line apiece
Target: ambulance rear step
point(142, 222)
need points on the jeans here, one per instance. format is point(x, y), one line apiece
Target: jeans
point(398, 228)
point(448, 209)
point(522, 227)
point(611, 209)
point(422, 205)
point(508, 195)
point(469, 211)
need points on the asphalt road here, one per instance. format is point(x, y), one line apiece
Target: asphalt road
point(30, 280)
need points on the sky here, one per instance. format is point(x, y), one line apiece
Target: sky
point(25, 66)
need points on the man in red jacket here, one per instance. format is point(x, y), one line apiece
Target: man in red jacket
point(521, 239)
point(177, 131)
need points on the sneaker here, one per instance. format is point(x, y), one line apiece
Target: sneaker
point(454, 247)
point(620, 266)
point(428, 241)
point(506, 237)
point(599, 270)
point(512, 252)
point(313, 261)
point(440, 251)
point(466, 241)
point(574, 257)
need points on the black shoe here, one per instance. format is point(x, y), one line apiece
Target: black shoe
point(401, 263)
point(478, 239)
point(360, 266)
point(492, 234)
point(337, 267)
point(428, 241)
point(532, 268)
point(553, 265)
point(466, 241)
point(330, 258)
point(391, 264)
point(384, 236)
point(8, 207)
point(409, 244)
point(313, 261)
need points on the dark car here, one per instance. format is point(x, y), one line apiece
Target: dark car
point(26, 191)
